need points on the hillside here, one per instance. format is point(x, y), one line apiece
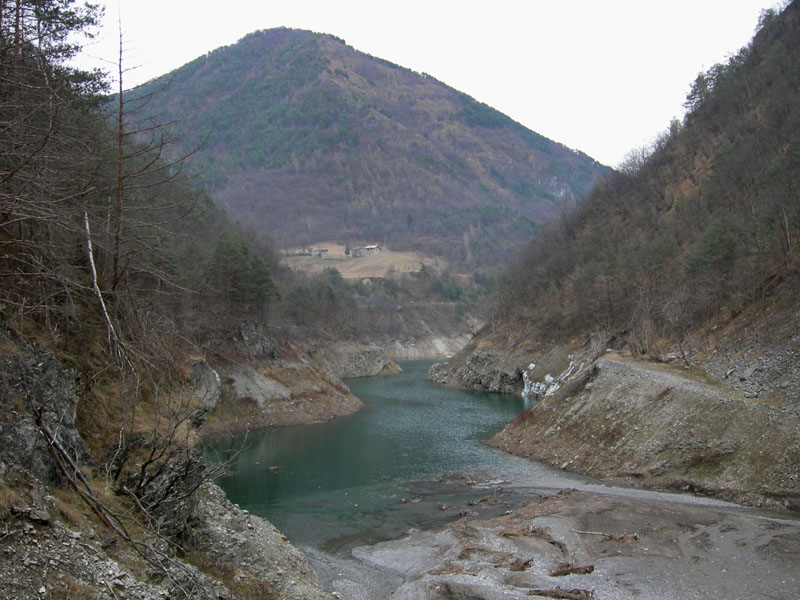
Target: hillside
point(696, 228)
point(120, 284)
point(688, 258)
point(304, 137)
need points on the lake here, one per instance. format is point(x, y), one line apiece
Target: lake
point(415, 447)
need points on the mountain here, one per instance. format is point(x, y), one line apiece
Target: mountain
point(306, 138)
point(698, 227)
point(655, 329)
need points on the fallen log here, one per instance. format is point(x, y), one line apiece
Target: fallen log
point(566, 568)
point(562, 594)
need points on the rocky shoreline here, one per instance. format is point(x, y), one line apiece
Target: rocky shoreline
point(596, 412)
point(55, 543)
point(251, 381)
point(582, 546)
point(718, 415)
point(648, 425)
point(70, 532)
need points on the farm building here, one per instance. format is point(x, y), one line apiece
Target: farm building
point(365, 250)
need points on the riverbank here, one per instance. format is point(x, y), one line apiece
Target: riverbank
point(578, 546)
point(499, 532)
point(718, 415)
point(250, 380)
point(253, 381)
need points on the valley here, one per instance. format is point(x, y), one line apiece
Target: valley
point(211, 282)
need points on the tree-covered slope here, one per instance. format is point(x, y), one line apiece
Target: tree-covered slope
point(698, 227)
point(304, 137)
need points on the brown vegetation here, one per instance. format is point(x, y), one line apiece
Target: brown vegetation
point(701, 225)
point(310, 140)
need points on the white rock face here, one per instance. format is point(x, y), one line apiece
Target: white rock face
point(206, 383)
point(535, 390)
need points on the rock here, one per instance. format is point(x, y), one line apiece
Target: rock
point(206, 383)
point(38, 384)
point(247, 382)
point(651, 425)
point(250, 547)
point(605, 547)
point(480, 370)
point(357, 360)
point(256, 342)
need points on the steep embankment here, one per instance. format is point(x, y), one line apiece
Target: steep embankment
point(686, 258)
point(252, 380)
point(664, 426)
point(70, 530)
point(727, 426)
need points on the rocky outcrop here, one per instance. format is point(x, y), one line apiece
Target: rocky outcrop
point(487, 364)
point(254, 342)
point(668, 427)
point(727, 426)
point(345, 359)
point(275, 393)
point(227, 553)
point(180, 537)
point(249, 550)
point(480, 370)
point(266, 383)
point(244, 381)
point(757, 353)
point(206, 383)
point(37, 393)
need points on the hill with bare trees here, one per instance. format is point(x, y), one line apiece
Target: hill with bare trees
point(301, 136)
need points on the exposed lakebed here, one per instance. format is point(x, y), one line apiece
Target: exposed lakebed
point(415, 458)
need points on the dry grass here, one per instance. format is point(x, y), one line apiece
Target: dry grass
point(239, 582)
point(377, 265)
point(8, 499)
point(69, 589)
point(69, 506)
point(103, 412)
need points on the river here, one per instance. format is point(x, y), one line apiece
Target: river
point(342, 482)
point(415, 457)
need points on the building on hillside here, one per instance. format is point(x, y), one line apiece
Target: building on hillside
point(320, 253)
point(365, 250)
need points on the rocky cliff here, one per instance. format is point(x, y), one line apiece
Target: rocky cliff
point(264, 382)
point(69, 529)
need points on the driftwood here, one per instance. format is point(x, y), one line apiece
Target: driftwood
point(625, 538)
point(562, 594)
point(520, 565)
point(571, 569)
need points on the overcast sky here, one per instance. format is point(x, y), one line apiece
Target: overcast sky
point(601, 76)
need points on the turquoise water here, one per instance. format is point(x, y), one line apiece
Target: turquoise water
point(344, 481)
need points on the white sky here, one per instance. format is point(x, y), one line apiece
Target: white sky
point(601, 76)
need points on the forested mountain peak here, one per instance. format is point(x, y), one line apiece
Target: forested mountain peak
point(304, 137)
